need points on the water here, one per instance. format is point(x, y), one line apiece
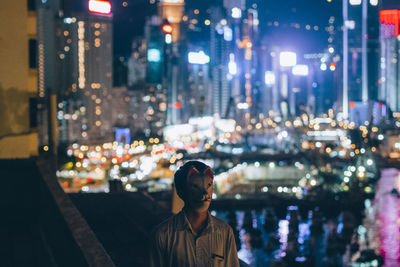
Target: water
point(265, 240)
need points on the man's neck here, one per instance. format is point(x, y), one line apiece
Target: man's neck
point(197, 220)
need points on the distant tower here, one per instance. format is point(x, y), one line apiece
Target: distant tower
point(85, 57)
point(389, 86)
point(172, 10)
point(219, 56)
point(361, 51)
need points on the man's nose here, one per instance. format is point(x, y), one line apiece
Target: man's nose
point(203, 191)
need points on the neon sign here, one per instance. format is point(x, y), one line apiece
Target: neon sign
point(391, 17)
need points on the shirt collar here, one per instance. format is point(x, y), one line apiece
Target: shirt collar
point(184, 224)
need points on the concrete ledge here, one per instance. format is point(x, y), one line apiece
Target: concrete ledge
point(90, 246)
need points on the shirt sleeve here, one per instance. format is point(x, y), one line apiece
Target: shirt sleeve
point(156, 250)
point(231, 251)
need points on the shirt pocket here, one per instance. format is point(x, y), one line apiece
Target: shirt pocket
point(217, 260)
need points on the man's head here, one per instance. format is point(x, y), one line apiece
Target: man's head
point(194, 185)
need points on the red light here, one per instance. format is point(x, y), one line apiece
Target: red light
point(166, 28)
point(178, 105)
point(100, 7)
point(351, 104)
point(391, 17)
point(380, 104)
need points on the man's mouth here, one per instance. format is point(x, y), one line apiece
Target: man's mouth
point(203, 200)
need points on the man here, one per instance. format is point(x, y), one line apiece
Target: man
point(194, 237)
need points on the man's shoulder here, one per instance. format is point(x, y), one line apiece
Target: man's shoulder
point(220, 224)
point(166, 225)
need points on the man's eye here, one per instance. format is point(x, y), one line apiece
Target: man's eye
point(210, 184)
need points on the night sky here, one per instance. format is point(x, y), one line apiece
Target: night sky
point(129, 21)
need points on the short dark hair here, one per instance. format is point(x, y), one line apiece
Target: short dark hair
point(182, 173)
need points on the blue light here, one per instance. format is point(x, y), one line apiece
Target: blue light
point(153, 55)
point(68, 20)
point(227, 34)
point(236, 13)
point(198, 58)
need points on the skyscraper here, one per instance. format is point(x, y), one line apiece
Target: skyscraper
point(85, 58)
point(389, 80)
point(361, 51)
point(219, 56)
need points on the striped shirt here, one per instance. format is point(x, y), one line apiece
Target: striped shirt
point(175, 244)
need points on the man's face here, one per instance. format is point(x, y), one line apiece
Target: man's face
point(199, 189)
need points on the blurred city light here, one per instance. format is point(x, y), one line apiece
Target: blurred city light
point(350, 24)
point(227, 34)
point(242, 106)
point(100, 7)
point(236, 13)
point(287, 59)
point(168, 38)
point(323, 67)
point(232, 67)
point(269, 78)
point(355, 2)
point(373, 2)
point(153, 55)
point(166, 28)
point(300, 70)
point(198, 58)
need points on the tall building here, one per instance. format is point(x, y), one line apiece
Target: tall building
point(18, 80)
point(170, 15)
point(137, 63)
point(85, 60)
point(219, 56)
point(361, 51)
point(47, 19)
point(199, 89)
point(389, 81)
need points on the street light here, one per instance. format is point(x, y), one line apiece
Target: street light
point(300, 70)
point(198, 58)
point(287, 59)
point(100, 7)
point(269, 78)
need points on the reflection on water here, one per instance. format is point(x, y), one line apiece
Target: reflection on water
point(265, 240)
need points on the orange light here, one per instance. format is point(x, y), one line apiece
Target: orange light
point(178, 105)
point(351, 104)
point(166, 28)
point(100, 7)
